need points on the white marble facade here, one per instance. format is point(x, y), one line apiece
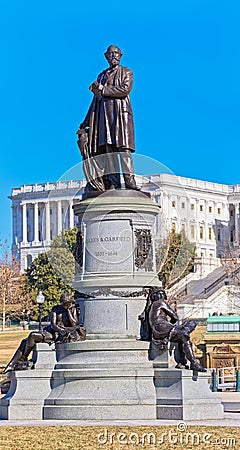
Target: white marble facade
point(207, 211)
point(39, 213)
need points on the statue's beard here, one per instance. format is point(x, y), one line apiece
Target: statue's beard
point(114, 62)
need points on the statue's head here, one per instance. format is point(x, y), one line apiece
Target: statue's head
point(113, 55)
point(66, 300)
point(158, 294)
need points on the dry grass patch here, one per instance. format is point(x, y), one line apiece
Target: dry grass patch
point(118, 438)
point(9, 341)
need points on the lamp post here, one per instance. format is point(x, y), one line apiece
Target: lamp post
point(40, 301)
point(23, 323)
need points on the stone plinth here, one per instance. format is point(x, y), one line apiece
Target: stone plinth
point(29, 388)
point(181, 395)
point(115, 317)
point(117, 247)
point(102, 380)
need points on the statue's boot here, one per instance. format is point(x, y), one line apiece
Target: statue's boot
point(23, 350)
point(188, 350)
point(130, 182)
point(128, 170)
point(18, 356)
point(112, 181)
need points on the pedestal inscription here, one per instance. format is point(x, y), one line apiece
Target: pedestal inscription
point(109, 246)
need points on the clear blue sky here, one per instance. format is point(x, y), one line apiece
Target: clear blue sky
point(185, 56)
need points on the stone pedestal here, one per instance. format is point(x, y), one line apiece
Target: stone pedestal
point(115, 243)
point(102, 380)
point(182, 396)
point(115, 261)
point(29, 388)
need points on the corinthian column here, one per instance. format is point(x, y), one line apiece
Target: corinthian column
point(24, 222)
point(236, 223)
point(47, 221)
point(59, 217)
point(36, 237)
point(71, 215)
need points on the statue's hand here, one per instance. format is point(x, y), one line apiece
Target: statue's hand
point(96, 88)
point(63, 333)
point(83, 125)
point(93, 86)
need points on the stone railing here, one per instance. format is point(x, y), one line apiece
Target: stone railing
point(26, 188)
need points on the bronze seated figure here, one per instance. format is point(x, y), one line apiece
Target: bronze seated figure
point(64, 327)
point(160, 326)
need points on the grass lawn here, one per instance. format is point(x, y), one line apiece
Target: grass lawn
point(119, 438)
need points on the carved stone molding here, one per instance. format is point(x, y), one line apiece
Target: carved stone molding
point(78, 254)
point(111, 292)
point(143, 251)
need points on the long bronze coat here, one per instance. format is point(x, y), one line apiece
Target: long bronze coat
point(110, 117)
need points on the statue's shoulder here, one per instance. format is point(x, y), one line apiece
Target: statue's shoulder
point(158, 304)
point(100, 75)
point(57, 309)
point(126, 69)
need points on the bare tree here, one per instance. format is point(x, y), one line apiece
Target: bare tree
point(231, 265)
point(11, 283)
point(174, 258)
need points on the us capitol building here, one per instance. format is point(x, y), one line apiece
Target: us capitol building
point(207, 212)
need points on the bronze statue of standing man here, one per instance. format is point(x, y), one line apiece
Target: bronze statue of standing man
point(110, 128)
